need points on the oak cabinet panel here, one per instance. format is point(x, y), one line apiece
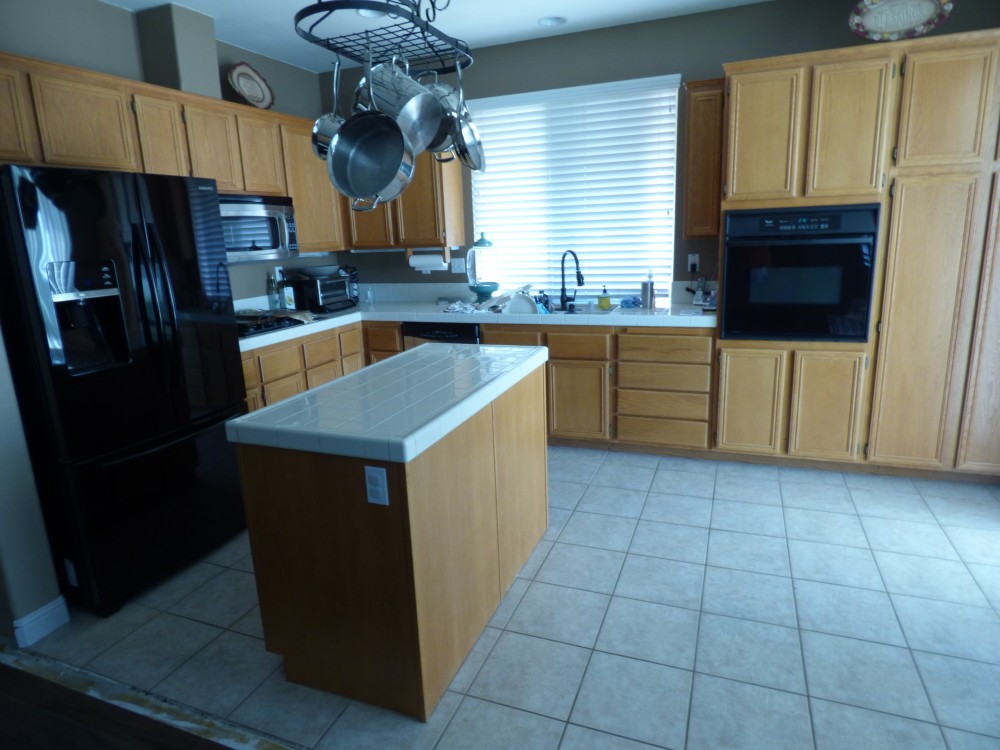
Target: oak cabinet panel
point(765, 136)
point(665, 348)
point(751, 406)
point(947, 101)
point(670, 404)
point(260, 154)
point(826, 404)
point(319, 209)
point(382, 340)
point(703, 124)
point(84, 123)
point(323, 374)
point(279, 390)
point(18, 134)
point(579, 345)
point(214, 143)
point(281, 363)
point(682, 433)
point(162, 135)
point(579, 399)
point(847, 127)
point(350, 341)
point(353, 363)
point(664, 377)
point(320, 351)
point(512, 336)
point(935, 241)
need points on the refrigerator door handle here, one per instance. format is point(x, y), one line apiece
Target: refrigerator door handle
point(149, 311)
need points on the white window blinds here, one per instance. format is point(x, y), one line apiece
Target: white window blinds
point(589, 169)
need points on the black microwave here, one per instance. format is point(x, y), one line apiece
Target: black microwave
point(799, 274)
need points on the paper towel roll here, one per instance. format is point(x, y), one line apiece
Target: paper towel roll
point(427, 263)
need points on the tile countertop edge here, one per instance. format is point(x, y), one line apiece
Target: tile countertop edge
point(263, 427)
point(681, 316)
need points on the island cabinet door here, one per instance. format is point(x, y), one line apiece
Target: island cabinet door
point(752, 400)
point(826, 405)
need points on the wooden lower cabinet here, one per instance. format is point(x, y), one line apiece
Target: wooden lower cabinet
point(274, 373)
point(664, 385)
point(511, 335)
point(803, 402)
point(382, 340)
point(579, 384)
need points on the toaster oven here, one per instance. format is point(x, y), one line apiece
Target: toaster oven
point(326, 294)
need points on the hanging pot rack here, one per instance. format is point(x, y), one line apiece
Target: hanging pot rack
point(408, 33)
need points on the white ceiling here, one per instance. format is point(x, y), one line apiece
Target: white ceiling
point(267, 26)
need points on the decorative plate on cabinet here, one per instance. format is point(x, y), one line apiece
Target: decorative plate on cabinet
point(889, 20)
point(251, 85)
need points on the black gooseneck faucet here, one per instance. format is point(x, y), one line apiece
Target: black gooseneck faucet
point(565, 299)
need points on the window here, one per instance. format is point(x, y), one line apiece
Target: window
point(589, 169)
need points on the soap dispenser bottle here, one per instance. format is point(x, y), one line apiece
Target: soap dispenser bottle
point(604, 299)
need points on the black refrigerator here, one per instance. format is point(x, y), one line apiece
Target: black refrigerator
point(117, 318)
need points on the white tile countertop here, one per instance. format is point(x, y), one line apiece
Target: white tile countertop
point(677, 316)
point(395, 409)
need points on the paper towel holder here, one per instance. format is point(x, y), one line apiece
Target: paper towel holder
point(425, 256)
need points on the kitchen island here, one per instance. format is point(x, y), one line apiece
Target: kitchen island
point(388, 513)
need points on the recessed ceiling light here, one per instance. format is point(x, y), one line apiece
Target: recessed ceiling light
point(551, 21)
point(368, 13)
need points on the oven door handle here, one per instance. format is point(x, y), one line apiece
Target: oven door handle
point(862, 239)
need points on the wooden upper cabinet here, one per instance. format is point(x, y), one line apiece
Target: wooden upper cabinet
point(765, 138)
point(84, 123)
point(947, 104)
point(825, 416)
point(162, 136)
point(319, 209)
point(214, 143)
point(260, 152)
point(847, 127)
point(18, 134)
point(372, 228)
point(703, 119)
point(751, 403)
point(933, 262)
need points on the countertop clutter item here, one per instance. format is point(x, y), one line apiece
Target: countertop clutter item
point(889, 20)
point(251, 85)
point(648, 292)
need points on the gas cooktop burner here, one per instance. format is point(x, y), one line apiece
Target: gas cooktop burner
point(253, 325)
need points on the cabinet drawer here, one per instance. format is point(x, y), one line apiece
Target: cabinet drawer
point(663, 404)
point(352, 363)
point(385, 339)
point(649, 376)
point(283, 388)
point(321, 351)
point(512, 338)
point(251, 373)
point(280, 364)
point(579, 345)
point(323, 374)
point(680, 349)
point(350, 342)
point(663, 432)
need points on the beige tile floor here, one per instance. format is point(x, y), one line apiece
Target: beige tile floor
point(673, 603)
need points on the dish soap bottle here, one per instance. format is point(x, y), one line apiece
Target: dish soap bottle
point(604, 299)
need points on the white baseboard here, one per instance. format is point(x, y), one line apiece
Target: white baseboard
point(38, 624)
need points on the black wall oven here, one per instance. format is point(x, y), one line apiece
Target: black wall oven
point(799, 273)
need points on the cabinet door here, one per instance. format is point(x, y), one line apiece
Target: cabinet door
point(826, 405)
point(84, 124)
point(214, 143)
point(279, 390)
point(578, 399)
point(372, 229)
point(850, 109)
point(703, 157)
point(353, 363)
point(418, 212)
point(752, 400)
point(979, 448)
point(350, 341)
point(162, 137)
point(322, 350)
point(765, 142)
point(18, 135)
point(260, 155)
point(280, 363)
point(947, 101)
point(489, 335)
point(383, 338)
point(318, 207)
point(935, 241)
point(316, 376)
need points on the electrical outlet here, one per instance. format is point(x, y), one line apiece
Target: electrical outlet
point(377, 484)
point(458, 265)
point(693, 262)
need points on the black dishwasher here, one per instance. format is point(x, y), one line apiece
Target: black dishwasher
point(415, 334)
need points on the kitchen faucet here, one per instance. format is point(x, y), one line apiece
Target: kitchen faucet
point(564, 298)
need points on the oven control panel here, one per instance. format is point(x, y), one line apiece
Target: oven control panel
point(799, 223)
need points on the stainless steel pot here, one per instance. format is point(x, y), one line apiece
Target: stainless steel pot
point(370, 160)
point(326, 126)
point(448, 99)
point(391, 90)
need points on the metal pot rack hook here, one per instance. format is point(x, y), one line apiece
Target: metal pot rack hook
point(388, 27)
